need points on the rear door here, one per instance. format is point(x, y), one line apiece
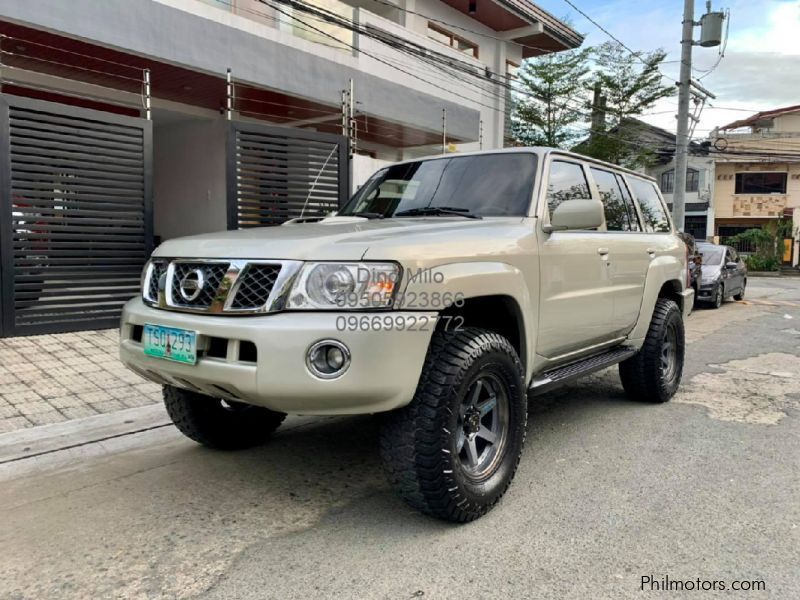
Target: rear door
point(576, 296)
point(628, 259)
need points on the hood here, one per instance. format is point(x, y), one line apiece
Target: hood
point(711, 272)
point(350, 239)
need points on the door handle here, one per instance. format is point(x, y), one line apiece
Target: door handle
point(651, 252)
point(602, 251)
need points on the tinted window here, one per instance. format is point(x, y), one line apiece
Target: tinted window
point(629, 203)
point(566, 182)
point(618, 217)
point(668, 180)
point(655, 217)
point(485, 184)
point(760, 183)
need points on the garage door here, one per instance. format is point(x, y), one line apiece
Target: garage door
point(76, 215)
point(280, 173)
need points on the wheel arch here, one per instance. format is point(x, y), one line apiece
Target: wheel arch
point(496, 312)
point(665, 279)
point(493, 295)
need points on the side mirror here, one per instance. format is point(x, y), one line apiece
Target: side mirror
point(731, 265)
point(576, 214)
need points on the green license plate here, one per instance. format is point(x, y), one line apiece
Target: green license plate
point(179, 345)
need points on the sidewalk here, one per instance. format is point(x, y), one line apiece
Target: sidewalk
point(53, 378)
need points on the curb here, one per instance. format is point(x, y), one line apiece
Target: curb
point(46, 439)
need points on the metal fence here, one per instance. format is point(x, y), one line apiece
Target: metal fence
point(278, 173)
point(75, 215)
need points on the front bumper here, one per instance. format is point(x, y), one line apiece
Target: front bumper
point(688, 301)
point(385, 366)
point(705, 292)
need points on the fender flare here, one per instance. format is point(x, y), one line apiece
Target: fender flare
point(473, 280)
point(663, 269)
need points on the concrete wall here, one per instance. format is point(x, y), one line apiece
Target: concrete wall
point(787, 123)
point(189, 178)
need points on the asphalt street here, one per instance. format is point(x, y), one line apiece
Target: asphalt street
point(608, 491)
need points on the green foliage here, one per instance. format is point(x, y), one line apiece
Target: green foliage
point(552, 99)
point(631, 85)
point(755, 262)
point(768, 242)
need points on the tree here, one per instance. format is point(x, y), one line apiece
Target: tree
point(551, 99)
point(631, 84)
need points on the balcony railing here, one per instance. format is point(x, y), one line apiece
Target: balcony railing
point(297, 22)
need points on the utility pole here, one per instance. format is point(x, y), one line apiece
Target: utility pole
point(711, 33)
point(682, 138)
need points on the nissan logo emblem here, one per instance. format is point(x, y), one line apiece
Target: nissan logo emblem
point(191, 285)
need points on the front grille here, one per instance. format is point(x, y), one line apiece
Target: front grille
point(256, 283)
point(212, 276)
point(232, 286)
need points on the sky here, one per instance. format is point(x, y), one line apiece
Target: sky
point(760, 69)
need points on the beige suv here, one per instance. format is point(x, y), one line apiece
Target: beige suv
point(444, 293)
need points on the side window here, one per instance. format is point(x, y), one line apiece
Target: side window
point(617, 215)
point(655, 217)
point(566, 182)
point(626, 195)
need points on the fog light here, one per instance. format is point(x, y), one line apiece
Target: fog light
point(328, 359)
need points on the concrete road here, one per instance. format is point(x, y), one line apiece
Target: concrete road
point(608, 491)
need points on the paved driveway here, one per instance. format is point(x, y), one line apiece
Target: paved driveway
point(608, 491)
point(53, 378)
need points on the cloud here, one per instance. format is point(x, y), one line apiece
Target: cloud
point(761, 67)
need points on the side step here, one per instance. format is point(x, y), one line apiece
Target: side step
point(562, 375)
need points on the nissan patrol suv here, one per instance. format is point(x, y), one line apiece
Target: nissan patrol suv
point(441, 296)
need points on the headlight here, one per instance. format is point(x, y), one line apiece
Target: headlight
point(330, 286)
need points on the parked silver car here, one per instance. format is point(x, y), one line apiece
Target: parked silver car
point(724, 274)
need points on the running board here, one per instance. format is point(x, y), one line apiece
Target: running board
point(562, 375)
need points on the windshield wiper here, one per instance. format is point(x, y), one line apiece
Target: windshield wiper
point(366, 215)
point(438, 210)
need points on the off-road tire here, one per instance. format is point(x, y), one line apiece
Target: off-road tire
point(740, 295)
point(418, 443)
point(643, 376)
point(217, 424)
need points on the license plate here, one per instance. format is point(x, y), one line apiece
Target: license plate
point(170, 343)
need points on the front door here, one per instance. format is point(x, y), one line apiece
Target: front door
point(576, 295)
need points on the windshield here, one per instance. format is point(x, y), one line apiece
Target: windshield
point(712, 255)
point(483, 184)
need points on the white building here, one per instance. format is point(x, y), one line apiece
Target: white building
point(131, 121)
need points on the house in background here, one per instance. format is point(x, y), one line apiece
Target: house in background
point(131, 121)
point(699, 212)
point(758, 174)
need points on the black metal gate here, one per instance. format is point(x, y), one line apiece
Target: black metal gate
point(75, 215)
point(280, 173)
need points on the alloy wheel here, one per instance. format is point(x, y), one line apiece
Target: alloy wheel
point(669, 353)
point(482, 429)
